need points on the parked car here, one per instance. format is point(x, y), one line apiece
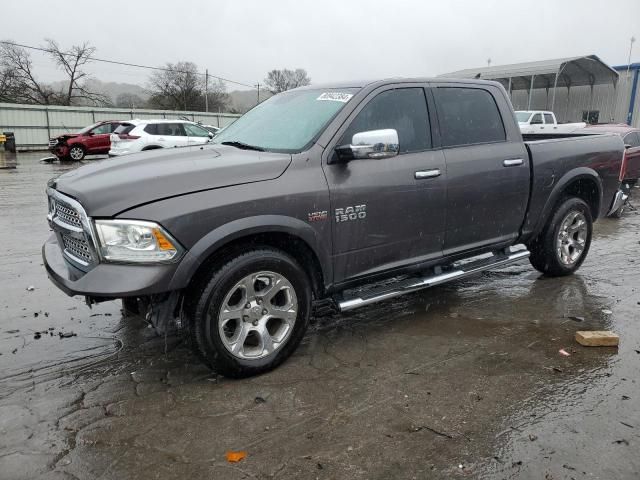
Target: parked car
point(140, 135)
point(92, 140)
point(211, 128)
point(540, 121)
point(630, 171)
point(395, 185)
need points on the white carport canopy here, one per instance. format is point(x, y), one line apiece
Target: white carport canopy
point(562, 72)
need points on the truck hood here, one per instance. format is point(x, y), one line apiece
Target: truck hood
point(111, 186)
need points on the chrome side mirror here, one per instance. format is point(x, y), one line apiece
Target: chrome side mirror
point(371, 144)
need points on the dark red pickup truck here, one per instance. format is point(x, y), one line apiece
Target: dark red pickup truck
point(91, 140)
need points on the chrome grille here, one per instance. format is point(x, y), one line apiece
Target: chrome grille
point(67, 214)
point(69, 221)
point(77, 248)
point(53, 142)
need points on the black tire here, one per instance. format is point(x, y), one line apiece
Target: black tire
point(76, 153)
point(209, 293)
point(544, 249)
point(131, 306)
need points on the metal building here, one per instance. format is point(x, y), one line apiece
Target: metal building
point(575, 88)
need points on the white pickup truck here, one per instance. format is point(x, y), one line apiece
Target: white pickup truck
point(540, 121)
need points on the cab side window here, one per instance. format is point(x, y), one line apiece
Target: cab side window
point(404, 110)
point(468, 116)
point(536, 119)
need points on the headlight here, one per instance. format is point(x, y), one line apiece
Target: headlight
point(135, 241)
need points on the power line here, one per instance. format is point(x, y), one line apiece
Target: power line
point(114, 62)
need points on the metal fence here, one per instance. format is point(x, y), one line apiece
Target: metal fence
point(34, 125)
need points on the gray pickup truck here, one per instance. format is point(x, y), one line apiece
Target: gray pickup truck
point(326, 198)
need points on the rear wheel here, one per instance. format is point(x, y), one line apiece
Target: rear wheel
point(248, 316)
point(564, 242)
point(76, 153)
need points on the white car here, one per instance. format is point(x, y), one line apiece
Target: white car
point(540, 121)
point(140, 135)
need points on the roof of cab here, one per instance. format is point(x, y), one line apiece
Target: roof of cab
point(380, 82)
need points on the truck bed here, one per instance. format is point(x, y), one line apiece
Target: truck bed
point(553, 156)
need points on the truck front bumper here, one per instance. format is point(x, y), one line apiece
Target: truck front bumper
point(105, 280)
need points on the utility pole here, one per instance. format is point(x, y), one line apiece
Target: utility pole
point(628, 79)
point(258, 85)
point(206, 90)
point(488, 62)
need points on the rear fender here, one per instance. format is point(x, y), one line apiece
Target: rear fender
point(565, 182)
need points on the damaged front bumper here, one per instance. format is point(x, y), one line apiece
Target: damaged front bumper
point(105, 280)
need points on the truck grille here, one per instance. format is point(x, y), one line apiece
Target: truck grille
point(67, 214)
point(71, 226)
point(78, 248)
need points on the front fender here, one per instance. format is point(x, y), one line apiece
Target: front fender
point(244, 227)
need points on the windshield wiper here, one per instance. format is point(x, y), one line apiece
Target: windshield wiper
point(243, 146)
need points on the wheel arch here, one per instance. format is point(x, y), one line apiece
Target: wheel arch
point(288, 234)
point(582, 183)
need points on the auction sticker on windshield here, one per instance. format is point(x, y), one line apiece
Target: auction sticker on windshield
point(335, 97)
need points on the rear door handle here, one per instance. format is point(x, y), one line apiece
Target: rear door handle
point(422, 174)
point(514, 162)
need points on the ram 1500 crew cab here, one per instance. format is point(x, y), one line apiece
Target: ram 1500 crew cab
point(317, 192)
point(539, 121)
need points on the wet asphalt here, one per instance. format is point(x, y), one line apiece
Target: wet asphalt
point(463, 380)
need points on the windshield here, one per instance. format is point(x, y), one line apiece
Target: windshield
point(523, 116)
point(287, 122)
point(86, 129)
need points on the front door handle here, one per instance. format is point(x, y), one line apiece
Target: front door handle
point(422, 174)
point(514, 162)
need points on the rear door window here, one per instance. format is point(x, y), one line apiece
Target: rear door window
point(468, 116)
point(151, 129)
point(404, 110)
point(548, 119)
point(171, 129)
point(102, 129)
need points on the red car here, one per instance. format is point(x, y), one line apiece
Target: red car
point(630, 172)
point(92, 140)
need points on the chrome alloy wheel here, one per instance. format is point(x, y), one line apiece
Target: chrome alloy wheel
point(572, 238)
point(76, 153)
point(257, 315)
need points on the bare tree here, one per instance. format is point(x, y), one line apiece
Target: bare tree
point(281, 80)
point(178, 87)
point(218, 97)
point(21, 82)
point(129, 100)
point(72, 63)
point(24, 87)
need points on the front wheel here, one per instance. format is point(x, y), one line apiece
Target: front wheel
point(76, 153)
point(248, 316)
point(564, 242)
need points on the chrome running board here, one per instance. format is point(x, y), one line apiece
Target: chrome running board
point(460, 270)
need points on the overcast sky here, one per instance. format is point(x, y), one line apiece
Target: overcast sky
point(332, 39)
